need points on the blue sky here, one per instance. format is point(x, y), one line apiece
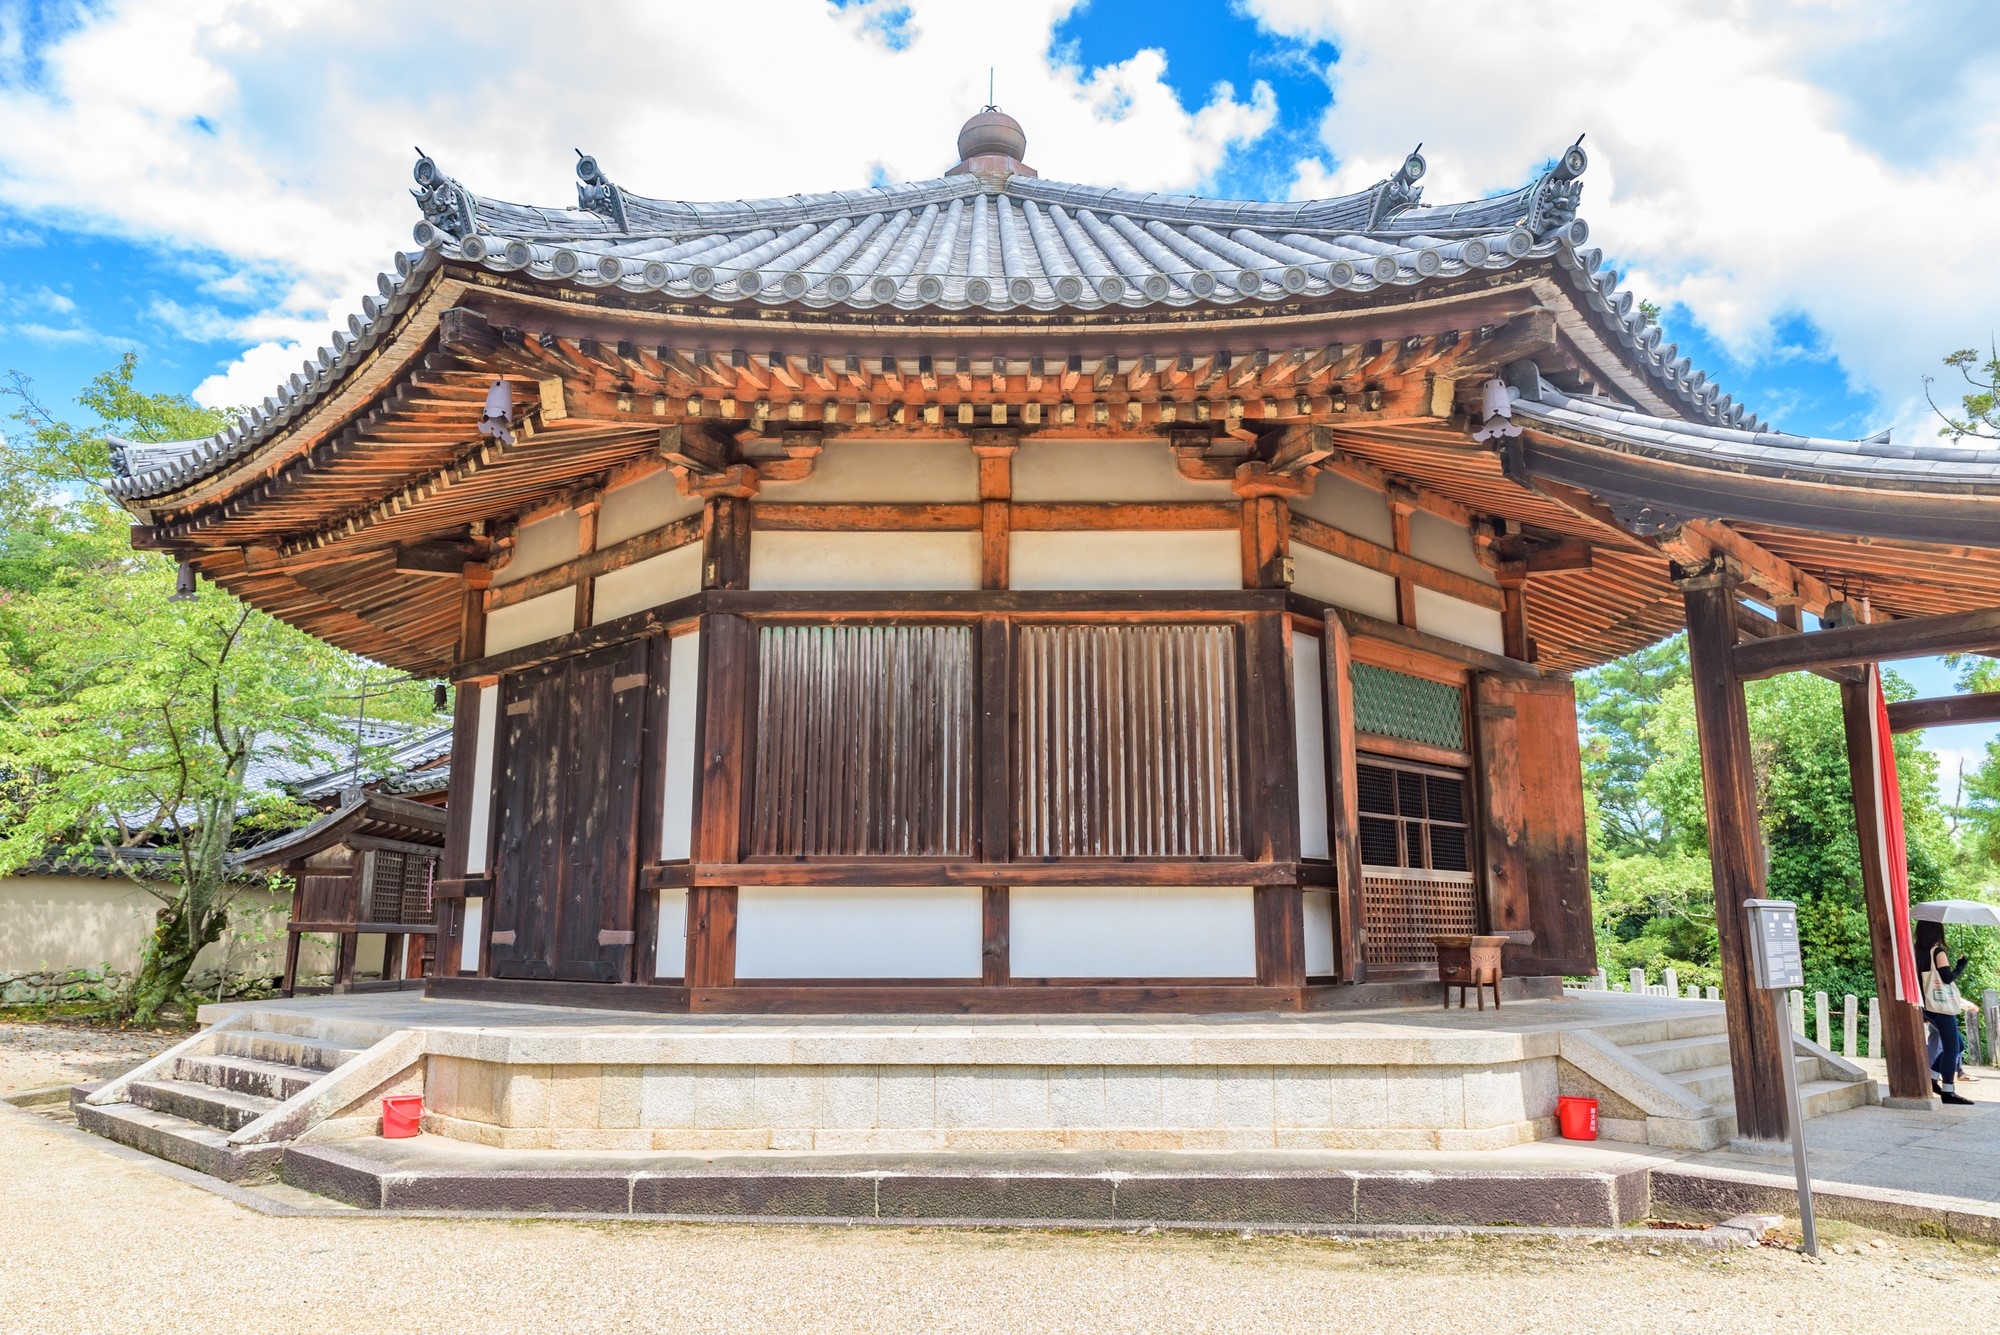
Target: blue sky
point(213, 184)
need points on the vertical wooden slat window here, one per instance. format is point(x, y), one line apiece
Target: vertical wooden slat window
point(1126, 742)
point(864, 742)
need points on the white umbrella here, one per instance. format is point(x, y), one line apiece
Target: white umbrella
point(1969, 911)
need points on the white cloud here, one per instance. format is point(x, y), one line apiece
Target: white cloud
point(276, 135)
point(1754, 160)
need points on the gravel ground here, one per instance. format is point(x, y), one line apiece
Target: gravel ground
point(33, 1055)
point(99, 1243)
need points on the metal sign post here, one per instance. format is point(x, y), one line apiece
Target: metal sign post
point(1776, 966)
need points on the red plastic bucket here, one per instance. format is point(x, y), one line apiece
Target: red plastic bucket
point(1576, 1117)
point(403, 1115)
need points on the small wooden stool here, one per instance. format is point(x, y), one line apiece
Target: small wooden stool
point(1469, 961)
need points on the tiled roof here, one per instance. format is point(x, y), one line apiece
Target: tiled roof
point(975, 240)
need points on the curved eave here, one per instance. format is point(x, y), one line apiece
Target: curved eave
point(1811, 491)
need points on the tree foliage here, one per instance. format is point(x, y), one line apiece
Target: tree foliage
point(1979, 413)
point(130, 717)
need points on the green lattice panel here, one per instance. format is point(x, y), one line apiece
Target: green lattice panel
point(1395, 704)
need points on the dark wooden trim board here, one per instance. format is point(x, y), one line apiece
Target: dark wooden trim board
point(920, 871)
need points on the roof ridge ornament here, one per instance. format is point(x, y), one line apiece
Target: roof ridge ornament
point(1399, 192)
point(596, 194)
point(447, 206)
point(1553, 202)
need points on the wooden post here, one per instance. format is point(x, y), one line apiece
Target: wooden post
point(586, 543)
point(1514, 641)
point(1898, 1028)
point(1757, 1039)
point(996, 787)
point(724, 725)
point(1266, 524)
point(995, 449)
point(725, 536)
point(1343, 817)
point(1401, 505)
point(1271, 804)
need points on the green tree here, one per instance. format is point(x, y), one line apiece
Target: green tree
point(130, 717)
point(1979, 414)
point(1616, 705)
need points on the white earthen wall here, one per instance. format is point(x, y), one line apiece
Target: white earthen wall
point(648, 583)
point(1309, 722)
point(1131, 932)
point(683, 691)
point(1319, 933)
point(1204, 559)
point(1343, 583)
point(52, 923)
point(541, 545)
point(468, 948)
point(1438, 540)
point(858, 932)
point(640, 507)
point(793, 560)
point(1085, 470)
point(670, 955)
point(1349, 507)
point(887, 471)
point(1457, 620)
point(531, 622)
point(478, 793)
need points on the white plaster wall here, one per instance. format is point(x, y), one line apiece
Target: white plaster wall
point(478, 793)
point(683, 691)
point(1309, 714)
point(544, 543)
point(50, 923)
point(531, 622)
point(864, 932)
point(468, 948)
point(789, 560)
point(1460, 621)
point(1343, 583)
point(1319, 932)
point(885, 470)
point(1349, 507)
point(639, 507)
point(670, 956)
point(1092, 470)
point(648, 583)
point(1132, 932)
point(1126, 559)
point(1435, 539)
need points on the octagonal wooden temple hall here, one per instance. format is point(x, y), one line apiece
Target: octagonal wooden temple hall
point(986, 597)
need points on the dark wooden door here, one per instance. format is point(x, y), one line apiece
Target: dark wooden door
point(526, 869)
point(602, 729)
point(569, 810)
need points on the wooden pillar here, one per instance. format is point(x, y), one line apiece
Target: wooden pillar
point(995, 755)
point(1757, 1040)
point(1270, 796)
point(1903, 1037)
point(1343, 803)
point(1401, 506)
point(1266, 524)
point(725, 538)
point(725, 727)
point(586, 543)
point(1513, 580)
point(995, 449)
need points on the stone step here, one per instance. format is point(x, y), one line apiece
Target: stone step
point(314, 1054)
point(176, 1139)
point(246, 1075)
point(225, 1109)
point(1817, 1098)
point(1716, 1085)
point(1674, 1055)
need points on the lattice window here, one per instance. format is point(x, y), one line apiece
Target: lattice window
point(1126, 742)
point(1396, 704)
point(1413, 816)
point(1403, 910)
point(864, 742)
point(398, 887)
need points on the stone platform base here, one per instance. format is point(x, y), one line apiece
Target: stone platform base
point(1113, 1189)
point(538, 1078)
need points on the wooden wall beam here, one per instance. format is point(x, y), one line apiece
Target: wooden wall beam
point(1917, 637)
point(1400, 565)
point(632, 550)
point(1943, 711)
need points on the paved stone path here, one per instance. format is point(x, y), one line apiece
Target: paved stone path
point(97, 1241)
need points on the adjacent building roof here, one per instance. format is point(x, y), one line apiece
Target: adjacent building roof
point(360, 814)
point(989, 237)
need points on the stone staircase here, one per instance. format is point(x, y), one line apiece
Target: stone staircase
point(229, 1100)
point(1666, 1081)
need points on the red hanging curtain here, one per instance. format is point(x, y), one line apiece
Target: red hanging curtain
point(1895, 850)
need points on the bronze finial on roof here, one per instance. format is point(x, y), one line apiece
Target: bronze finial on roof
point(992, 143)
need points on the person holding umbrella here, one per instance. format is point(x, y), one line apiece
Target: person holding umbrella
point(1938, 983)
